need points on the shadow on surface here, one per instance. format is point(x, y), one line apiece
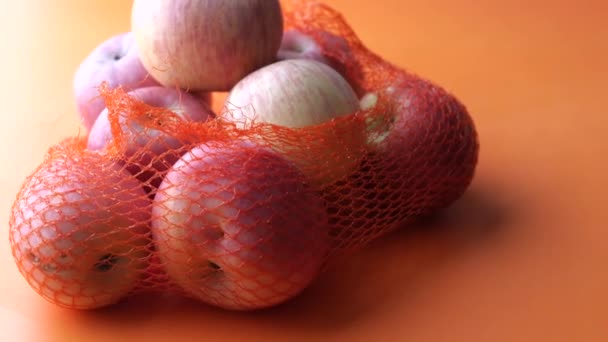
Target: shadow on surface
point(353, 288)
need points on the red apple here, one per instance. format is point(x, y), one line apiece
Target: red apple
point(300, 93)
point(432, 143)
point(150, 151)
point(115, 61)
point(79, 231)
point(429, 146)
point(237, 227)
point(206, 45)
point(422, 159)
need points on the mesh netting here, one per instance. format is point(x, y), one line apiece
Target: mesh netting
point(247, 217)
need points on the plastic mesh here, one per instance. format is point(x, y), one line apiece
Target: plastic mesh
point(247, 217)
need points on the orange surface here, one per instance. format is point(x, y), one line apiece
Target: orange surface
point(522, 257)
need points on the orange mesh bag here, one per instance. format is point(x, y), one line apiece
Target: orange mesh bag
point(241, 215)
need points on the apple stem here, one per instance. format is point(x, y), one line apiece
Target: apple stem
point(106, 262)
point(214, 266)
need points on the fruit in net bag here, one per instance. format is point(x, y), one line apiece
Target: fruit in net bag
point(79, 230)
point(422, 157)
point(430, 140)
point(148, 151)
point(302, 93)
point(252, 205)
point(302, 45)
point(206, 45)
point(236, 226)
point(116, 62)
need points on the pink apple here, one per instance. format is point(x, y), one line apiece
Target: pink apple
point(115, 61)
point(299, 45)
point(237, 227)
point(150, 151)
point(80, 230)
point(301, 93)
point(206, 45)
point(205, 97)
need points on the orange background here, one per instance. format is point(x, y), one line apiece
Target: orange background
point(522, 257)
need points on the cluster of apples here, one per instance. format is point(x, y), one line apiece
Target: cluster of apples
point(243, 223)
point(234, 224)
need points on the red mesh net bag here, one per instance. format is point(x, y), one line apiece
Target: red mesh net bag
point(240, 216)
